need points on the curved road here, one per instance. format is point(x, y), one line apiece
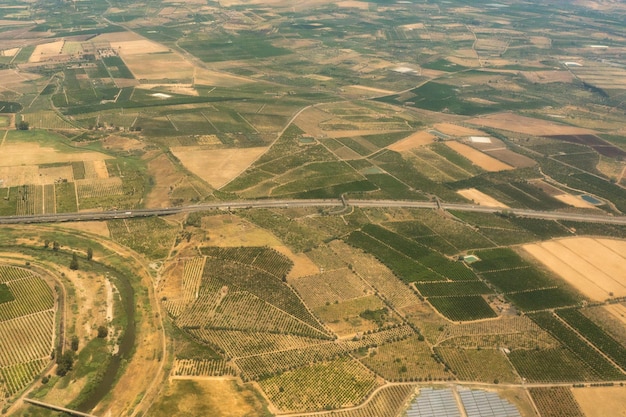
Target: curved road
point(243, 204)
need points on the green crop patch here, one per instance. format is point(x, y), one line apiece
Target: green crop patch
point(447, 289)
point(543, 299)
point(5, 294)
point(518, 279)
point(244, 46)
point(497, 259)
point(463, 308)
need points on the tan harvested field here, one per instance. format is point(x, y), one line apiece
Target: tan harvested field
point(512, 158)
point(216, 78)
point(18, 175)
point(49, 175)
point(16, 154)
point(544, 77)
point(415, 140)
point(117, 37)
point(228, 230)
point(121, 143)
point(137, 47)
point(302, 265)
point(97, 228)
point(353, 133)
point(481, 198)
point(10, 52)
point(484, 161)
point(159, 66)
point(185, 89)
point(372, 90)
point(354, 4)
point(216, 166)
point(165, 176)
point(527, 125)
point(310, 119)
point(456, 130)
point(601, 401)
point(574, 201)
point(100, 169)
point(46, 51)
point(595, 267)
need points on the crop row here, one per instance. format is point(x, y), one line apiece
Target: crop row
point(593, 333)
point(11, 273)
point(30, 200)
point(192, 277)
point(31, 296)
point(264, 258)
point(503, 325)
point(244, 311)
point(376, 275)
point(551, 365)
point(197, 312)
point(16, 377)
point(421, 254)
point(97, 188)
point(202, 367)
point(483, 365)
point(388, 401)
point(405, 268)
point(49, 202)
point(26, 338)
point(260, 283)
point(408, 359)
point(555, 402)
point(237, 344)
point(519, 279)
point(338, 285)
point(498, 259)
point(341, 383)
point(463, 308)
point(577, 345)
point(455, 288)
point(542, 299)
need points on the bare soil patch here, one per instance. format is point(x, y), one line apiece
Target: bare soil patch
point(97, 228)
point(50, 175)
point(354, 5)
point(166, 176)
point(302, 265)
point(512, 158)
point(216, 166)
point(158, 66)
point(209, 77)
point(574, 201)
point(122, 144)
point(16, 154)
point(601, 401)
point(618, 311)
point(46, 51)
point(228, 230)
point(527, 125)
point(310, 119)
point(545, 77)
point(481, 198)
point(138, 46)
point(484, 161)
point(601, 146)
point(595, 267)
point(355, 133)
point(456, 130)
point(417, 139)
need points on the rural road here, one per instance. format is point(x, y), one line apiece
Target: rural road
point(243, 204)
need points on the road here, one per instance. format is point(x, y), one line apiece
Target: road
point(243, 204)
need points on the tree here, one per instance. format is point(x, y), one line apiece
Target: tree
point(74, 343)
point(55, 246)
point(103, 332)
point(65, 363)
point(74, 262)
point(23, 125)
point(89, 254)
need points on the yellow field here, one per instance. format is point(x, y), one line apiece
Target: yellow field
point(527, 125)
point(46, 51)
point(484, 161)
point(595, 267)
point(601, 401)
point(415, 140)
point(16, 154)
point(481, 198)
point(216, 166)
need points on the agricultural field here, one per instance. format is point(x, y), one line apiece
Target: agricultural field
point(311, 308)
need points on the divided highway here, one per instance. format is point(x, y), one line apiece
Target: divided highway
point(238, 204)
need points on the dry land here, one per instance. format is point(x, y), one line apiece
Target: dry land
point(481, 198)
point(595, 267)
point(415, 140)
point(527, 125)
point(484, 161)
point(216, 166)
point(601, 401)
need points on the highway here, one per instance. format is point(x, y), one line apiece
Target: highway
point(250, 204)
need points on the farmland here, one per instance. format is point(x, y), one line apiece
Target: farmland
point(315, 310)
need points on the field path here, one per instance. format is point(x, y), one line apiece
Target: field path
point(6, 133)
